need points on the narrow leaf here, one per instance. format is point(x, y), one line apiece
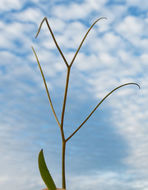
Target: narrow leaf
point(45, 172)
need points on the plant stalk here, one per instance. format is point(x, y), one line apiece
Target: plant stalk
point(63, 165)
point(61, 125)
point(65, 97)
point(62, 130)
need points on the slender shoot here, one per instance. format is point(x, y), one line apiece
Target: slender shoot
point(85, 38)
point(98, 106)
point(49, 98)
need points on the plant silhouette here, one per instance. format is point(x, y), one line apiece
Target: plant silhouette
point(45, 174)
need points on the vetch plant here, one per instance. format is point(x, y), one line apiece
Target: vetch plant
point(45, 174)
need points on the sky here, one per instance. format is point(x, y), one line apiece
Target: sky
point(110, 151)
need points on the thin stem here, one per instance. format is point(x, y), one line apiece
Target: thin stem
point(65, 97)
point(46, 87)
point(45, 19)
point(98, 106)
point(62, 131)
point(84, 39)
point(63, 165)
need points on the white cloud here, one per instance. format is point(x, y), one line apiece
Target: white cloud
point(144, 59)
point(72, 11)
point(77, 11)
point(107, 59)
point(133, 111)
point(131, 26)
point(111, 40)
point(15, 34)
point(29, 15)
point(107, 43)
point(15, 70)
point(138, 4)
point(7, 5)
point(95, 4)
point(105, 180)
point(134, 29)
point(85, 62)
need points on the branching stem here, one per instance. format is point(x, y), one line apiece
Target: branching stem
point(64, 141)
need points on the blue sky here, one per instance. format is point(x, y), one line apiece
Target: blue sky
point(110, 150)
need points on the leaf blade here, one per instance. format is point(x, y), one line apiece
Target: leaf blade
point(45, 174)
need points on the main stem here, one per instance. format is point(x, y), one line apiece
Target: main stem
point(62, 131)
point(63, 165)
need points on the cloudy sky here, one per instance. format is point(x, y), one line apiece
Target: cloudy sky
point(111, 150)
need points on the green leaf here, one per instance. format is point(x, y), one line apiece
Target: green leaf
point(45, 172)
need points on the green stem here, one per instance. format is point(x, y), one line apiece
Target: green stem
point(63, 165)
point(62, 130)
point(65, 97)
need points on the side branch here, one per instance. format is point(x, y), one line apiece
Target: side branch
point(98, 106)
point(84, 39)
point(46, 87)
point(45, 19)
